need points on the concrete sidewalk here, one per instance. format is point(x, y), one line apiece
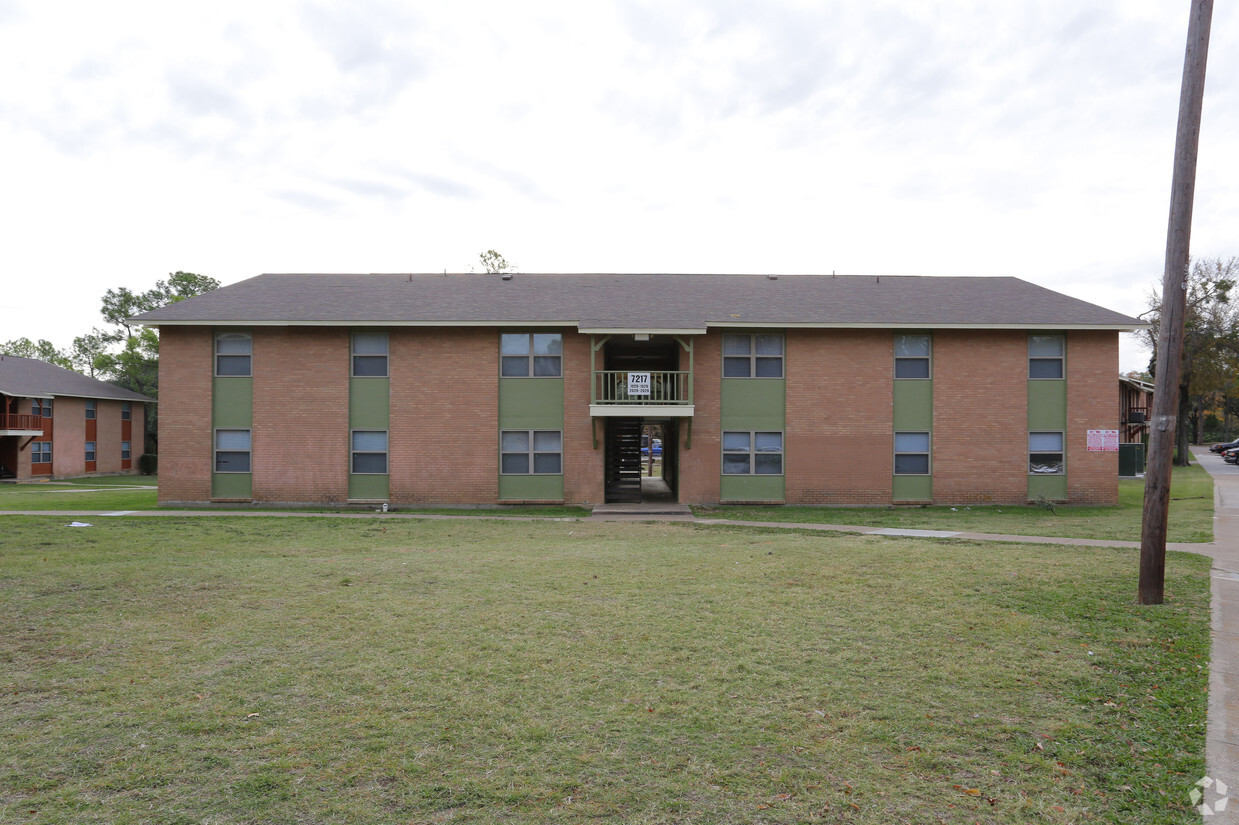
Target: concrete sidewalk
point(1222, 747)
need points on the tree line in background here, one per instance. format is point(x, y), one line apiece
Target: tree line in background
point(1209, 378)
point(120, 353)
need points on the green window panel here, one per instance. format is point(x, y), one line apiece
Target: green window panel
point(232, 485)
point(914, 405)
point(232, 402)
point(531, 488)
point(1047, 405)
point(369, 403)
point(1051, 487)
point(753, 404)
point(531, 403)
point(367, 487)
point(913, 488)
point(752, 488)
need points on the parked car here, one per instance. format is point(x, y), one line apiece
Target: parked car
point(658, 447)
point(1219, 448)
point(1231, 456)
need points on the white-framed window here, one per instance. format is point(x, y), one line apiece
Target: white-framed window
point(369, 452)
point(1045, 454)
point(126, 411)
point(531, 452)
point(912, 353)
point(531, 355)
point(125, 450)
point(369, 354)
point(752, 453)
point(41, 452)
point(232, 451)
point(90, 414)
point(912, 454)
point(759, 355)
point(1045, 356)
point(90, 451)
point(233, 353)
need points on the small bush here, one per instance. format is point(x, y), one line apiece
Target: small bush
point(148, 464)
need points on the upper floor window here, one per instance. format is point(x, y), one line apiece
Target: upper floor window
point(531, 354)
point(41, 406)
point(753, 356)
point(233, 351)
point(1045, 356)
point(912, 356)
point(370, 354)
point(90, 414)
point(126, 411)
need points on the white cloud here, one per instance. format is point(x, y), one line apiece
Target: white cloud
point(229, 139)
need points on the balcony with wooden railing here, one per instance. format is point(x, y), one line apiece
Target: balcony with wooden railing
point(669, 392)
point(19, 424)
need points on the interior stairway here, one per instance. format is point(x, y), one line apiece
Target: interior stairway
point(623, 467)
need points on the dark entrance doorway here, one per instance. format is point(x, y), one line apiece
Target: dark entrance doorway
point(639, 468)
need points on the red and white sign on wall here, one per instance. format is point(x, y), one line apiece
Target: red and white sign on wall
point(1105, 441)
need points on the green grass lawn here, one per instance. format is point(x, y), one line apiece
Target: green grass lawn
point(99, 493)
point(1191, 514)
point(264, 670)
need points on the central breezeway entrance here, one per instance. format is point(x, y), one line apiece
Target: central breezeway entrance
point(641, 460)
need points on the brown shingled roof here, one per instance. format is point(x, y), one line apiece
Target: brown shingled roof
point(640, 302)
point(30, 378)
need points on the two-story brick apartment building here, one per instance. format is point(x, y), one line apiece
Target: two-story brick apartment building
point(56, 422)
point(486, 389)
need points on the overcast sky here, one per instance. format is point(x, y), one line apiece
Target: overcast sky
point(1032, 139)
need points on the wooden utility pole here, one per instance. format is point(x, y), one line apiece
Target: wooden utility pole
point(1174, 301)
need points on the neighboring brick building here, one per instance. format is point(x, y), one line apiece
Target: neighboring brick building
point(55, 422)
point(491, 389)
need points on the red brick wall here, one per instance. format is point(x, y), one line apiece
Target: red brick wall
point(185, 370)
point(700, 466)
point(107, 436)
point(980, 437)
point(69, 438)
point(444, 438)
point(583, 465)
point(300, 430)
point(1092, 370)
point(839, 405)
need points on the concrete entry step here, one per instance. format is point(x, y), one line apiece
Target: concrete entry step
point(642, 508)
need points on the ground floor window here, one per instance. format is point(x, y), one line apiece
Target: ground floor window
point(41, 452)
point(752, 453)
point(1045, 453)
point(911, 454)
point(232, 451)
point(90, 451)
point(369, 452)
point(531, 452)
point(124, 450)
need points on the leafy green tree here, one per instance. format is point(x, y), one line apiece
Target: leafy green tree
point(495, 263)
point(1210, 341)
point(42, 350)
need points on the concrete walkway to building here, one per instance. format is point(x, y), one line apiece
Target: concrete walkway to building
point(1222, 747)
